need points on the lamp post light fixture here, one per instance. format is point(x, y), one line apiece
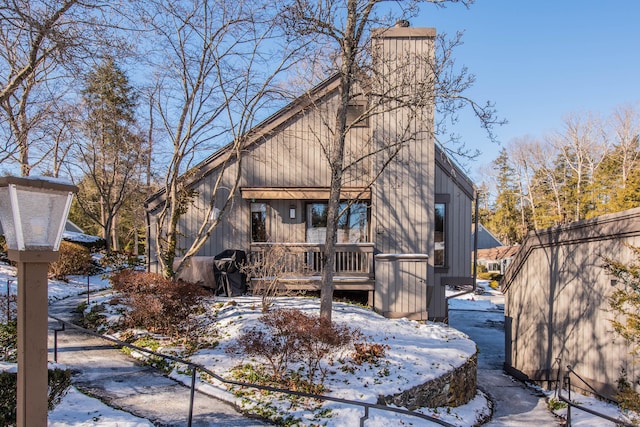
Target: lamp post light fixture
point(33, 213)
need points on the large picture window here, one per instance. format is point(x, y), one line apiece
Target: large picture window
point(440, 235)
point(258, 222)
point(353, 224)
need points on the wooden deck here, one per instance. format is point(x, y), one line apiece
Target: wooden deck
point(299, 267)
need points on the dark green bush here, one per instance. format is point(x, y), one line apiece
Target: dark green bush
point(9, 341)
point(59, 382)
point(74, 259)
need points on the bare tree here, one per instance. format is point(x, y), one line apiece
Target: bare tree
point(42, 44)
point(33, 34)
point(582, 147)
point(31, 113)
point(219, 65)
point(345, 26)
point(625, 126)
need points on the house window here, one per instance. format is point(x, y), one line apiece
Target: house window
point(353, 224)
point(258, 222)
point(493, 266)
point(355, 112)
point(440, 235)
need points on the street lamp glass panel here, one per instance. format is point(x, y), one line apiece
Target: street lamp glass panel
point(6, 218)
point(34, 213)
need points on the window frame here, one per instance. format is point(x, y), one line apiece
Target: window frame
point(309, 219)
point(356, 109)
point(262, 206)
point(444, 201)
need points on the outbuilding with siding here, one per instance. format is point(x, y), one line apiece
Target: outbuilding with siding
point(557, 304)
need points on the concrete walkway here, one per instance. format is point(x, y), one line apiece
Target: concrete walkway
point(515, 404)
point(103, 371)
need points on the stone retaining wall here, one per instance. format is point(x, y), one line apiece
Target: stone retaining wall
point(455, 388)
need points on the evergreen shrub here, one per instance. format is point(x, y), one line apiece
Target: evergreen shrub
point(59, 383)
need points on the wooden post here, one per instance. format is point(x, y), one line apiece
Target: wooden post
point(32, 399)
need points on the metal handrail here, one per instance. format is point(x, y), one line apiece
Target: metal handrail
point(593, 390)
point(195, 367)
point(570, 404)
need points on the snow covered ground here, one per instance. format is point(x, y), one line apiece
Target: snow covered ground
point(419, 352)
point(416, 353)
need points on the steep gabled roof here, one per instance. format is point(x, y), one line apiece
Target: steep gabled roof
point(486, 239)
point(258, 133)
point(455, 172)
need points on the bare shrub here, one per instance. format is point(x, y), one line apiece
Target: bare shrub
point(118, 261)
point(369, 352)
point(290, 336)
point(156, 303)
point(274, 263)
point(74, 259)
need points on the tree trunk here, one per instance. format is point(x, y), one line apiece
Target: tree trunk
point(336, 162)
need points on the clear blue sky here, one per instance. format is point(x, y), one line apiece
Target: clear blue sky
point(540, 60)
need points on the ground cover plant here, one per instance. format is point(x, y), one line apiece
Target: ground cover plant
point(59, 382)
point(290, 336)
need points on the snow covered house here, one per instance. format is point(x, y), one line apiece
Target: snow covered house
point(408, 231)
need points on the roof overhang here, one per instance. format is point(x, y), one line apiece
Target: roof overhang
point(302, 193)
point(444, 162)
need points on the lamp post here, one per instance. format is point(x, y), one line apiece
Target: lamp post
point(33, 213)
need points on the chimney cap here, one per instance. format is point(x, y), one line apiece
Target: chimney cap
point(402, 23)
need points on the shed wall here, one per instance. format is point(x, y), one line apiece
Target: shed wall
point(556, 305)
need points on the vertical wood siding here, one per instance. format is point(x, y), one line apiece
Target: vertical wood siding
point(403, 197)
point(406, 291)
point(294, 156)
point(458, 241)
point(556, 306)
point(291, 157)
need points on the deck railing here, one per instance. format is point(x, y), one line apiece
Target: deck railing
point(352, 259)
